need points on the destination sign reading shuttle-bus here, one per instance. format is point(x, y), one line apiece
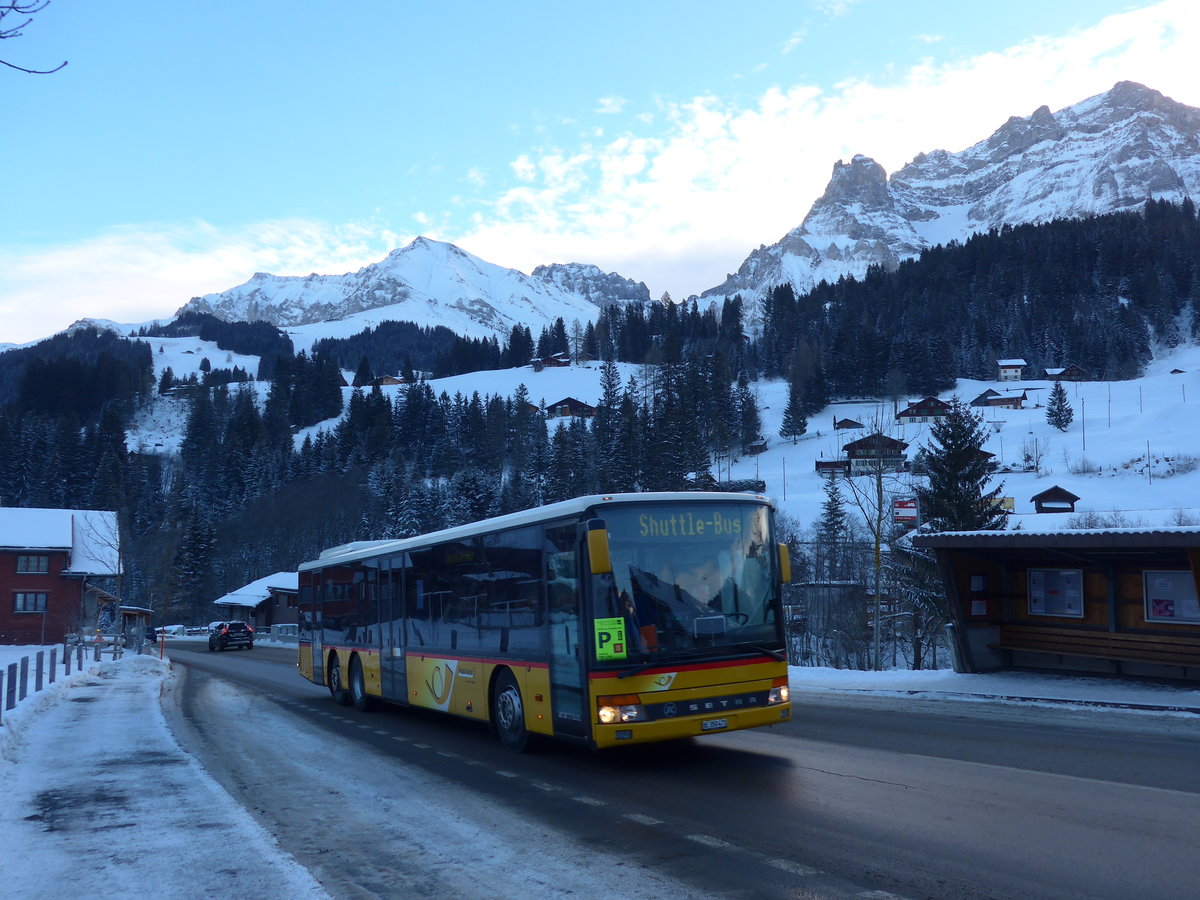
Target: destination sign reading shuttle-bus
point(688, 524)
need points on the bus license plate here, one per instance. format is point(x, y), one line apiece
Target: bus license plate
point(714, 724)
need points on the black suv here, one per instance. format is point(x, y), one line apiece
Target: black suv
point(224, 635)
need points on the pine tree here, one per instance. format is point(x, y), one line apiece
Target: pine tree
point(794, 422)
point(1058, 409)
point(832, 531)
point(364, 375)
point(956, 498)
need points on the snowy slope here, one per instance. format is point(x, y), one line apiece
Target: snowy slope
point(1100, 457)
point(1108, 153)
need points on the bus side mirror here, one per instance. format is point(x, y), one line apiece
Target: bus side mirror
point(785, 564)
point(597, 542)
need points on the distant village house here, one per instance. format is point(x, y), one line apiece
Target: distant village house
point(1010, 369)
point(569, 406)
point(993, 398)
point(930, 409)
point(1067, 373)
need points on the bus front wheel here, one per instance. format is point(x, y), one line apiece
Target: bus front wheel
point(337, 688)
point(508, 713)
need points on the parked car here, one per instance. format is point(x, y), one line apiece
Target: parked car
point(224, 635)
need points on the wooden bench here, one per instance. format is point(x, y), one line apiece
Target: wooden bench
point(1161, 649)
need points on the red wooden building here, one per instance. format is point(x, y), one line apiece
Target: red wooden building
point(57, 569)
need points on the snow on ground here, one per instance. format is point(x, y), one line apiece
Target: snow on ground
point(100, 796)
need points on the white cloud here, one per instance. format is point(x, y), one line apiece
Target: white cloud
point(683, 209)
point(930, 38)
point(794, 40)
point(834, 8)
point(611, 105)
point(523, 168)
point(136, 274)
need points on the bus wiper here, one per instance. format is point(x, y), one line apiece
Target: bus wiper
point(678, 656)
point(638, 669)
point(777, 654)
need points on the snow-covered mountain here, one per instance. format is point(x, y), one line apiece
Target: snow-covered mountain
point(430, 283)
point(1109, 153)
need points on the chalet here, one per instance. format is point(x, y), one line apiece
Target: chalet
point(844, 424)
point(756, 447)
point(555, 361)
point(1114, 601)
point(876, 452)
point(993, 398)
point(1054, 500)
point(1010, 369)
point(832, 468)
point(271, 600)
point(57, 573)
point(387, 381)
point(1067, 373)
point(569, 406)
point(930, 409)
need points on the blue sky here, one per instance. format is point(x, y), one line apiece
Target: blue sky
point(188, 145)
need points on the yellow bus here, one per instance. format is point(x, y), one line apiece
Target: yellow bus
point(603, 620)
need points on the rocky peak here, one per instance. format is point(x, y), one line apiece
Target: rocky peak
point(1019, 134)
point(862, 182)
point(601, 288)
point(1107, 153)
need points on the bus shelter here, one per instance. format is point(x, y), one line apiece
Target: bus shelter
point(1115, 600)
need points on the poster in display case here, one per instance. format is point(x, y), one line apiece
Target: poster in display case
point(1056, 592)
point(1171, 596)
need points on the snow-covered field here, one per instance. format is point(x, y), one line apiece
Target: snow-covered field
point(1101, 457)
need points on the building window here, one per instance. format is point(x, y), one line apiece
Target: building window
point(29, 602)
point(33, 565)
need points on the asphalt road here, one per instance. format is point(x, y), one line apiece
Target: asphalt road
point(911, 798)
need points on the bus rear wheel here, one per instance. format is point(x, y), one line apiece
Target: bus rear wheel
point(363, 701)
point(508, 713)
point(337, 689)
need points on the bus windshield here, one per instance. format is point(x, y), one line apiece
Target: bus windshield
point(688, 579)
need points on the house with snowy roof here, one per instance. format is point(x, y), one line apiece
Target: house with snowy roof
point(267, 601)
point(1067, 373)
point(928, 409)
point(1010, 369)
point(569, 406)
point(58, 573)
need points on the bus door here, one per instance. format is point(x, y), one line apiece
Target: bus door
point(394, 682)
point(317, 642)
point(305, 619)
point(568, 686)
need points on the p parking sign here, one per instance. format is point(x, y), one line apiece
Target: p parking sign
point(610, 639)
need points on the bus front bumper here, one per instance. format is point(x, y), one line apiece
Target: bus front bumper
point(669, 729)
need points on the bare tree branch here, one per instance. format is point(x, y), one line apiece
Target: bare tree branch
point(28, 9)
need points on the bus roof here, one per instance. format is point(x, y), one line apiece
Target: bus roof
point(357, 550)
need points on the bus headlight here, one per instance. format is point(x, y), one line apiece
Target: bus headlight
point(624, 708)
point(779, 694)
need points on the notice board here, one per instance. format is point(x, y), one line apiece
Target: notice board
point(1056, 592)
point(1171, 596)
